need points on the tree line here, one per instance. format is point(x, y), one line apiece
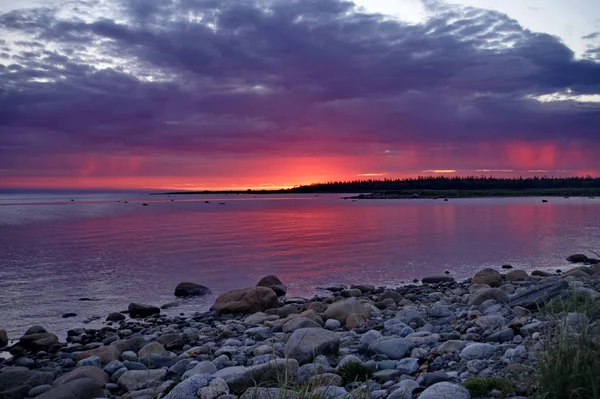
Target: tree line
point(453, 183)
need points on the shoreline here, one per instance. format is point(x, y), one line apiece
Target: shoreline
point(426, 339)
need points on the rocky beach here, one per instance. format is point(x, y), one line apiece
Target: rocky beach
point(437, 338)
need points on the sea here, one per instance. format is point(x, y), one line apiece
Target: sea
point(110, 248)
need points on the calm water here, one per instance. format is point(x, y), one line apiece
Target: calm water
point(54, 251)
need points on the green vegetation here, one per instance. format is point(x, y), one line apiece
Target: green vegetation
point(354, 371)
point(482, 386)
point(576, 302)
point(567, 367)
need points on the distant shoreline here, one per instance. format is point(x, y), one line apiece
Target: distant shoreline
point(388, 194)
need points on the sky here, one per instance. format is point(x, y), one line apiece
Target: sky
point(236, 94)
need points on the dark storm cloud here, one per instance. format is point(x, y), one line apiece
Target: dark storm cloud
point(256, 77)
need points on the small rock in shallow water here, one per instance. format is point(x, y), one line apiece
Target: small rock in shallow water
point(67, 315)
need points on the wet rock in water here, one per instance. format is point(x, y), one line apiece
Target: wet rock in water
point(333, 287)
point(307, 343)
point(577, 258)
point(3, 338)
point(271, 281)
point(364, 288)
point(537, 295)
point(141, 310)
point(507, 266)
point(246, 300)
point(67, 315)
point(187, 288)
point(437, 279)
point(487, 276)
point(115, 316)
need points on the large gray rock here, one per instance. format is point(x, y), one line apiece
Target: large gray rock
point(484, 294)
point(487, 276)
point(538, 295)
point(299, 322)
point(393, 348)
point(186, 289)
point(106, 354)
point(307, 343)
point(477, 351)
point(141, 310)
point(134, 380)
point(83, 372)
point(445, 390)
point(81, 388)
point(38, 341)
point(213, 387)
point(342, 309)
point(153, 348)
point(271, 281)
point(12, 379)
point(247, 300)
point(270, 393)
point(404, 390)
point(275, 371)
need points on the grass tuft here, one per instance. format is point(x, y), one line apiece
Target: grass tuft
point(354, 371)
point(482, 386)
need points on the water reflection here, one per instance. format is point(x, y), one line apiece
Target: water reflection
point(120, 252)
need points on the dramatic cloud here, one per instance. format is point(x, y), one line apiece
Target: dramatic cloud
point(179, 87)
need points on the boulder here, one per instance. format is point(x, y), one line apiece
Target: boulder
point(364, 288)
point(393, 348)
point(445, 390)
point(115, 316)
point(22, 380)
point(153, 348)
point(81, 388)
point(517, 275)
point(269, 393)
point(299, 322)
point(477, 351)
point(247, 300)
point(437, 279)
point(186, 289)
point(240, 379)
point(537, 295)
point(141, 310)
point(355, 321)
point(577, 258)
point(307, 343)
point(271, 281)
point(3, 338)
point(90, 372)
point(480, 296)
point(38, 341)
point(342, 309)
point(540, 273)
point(488, 276)
point(202, 385)
point(106, 354)
point(133, 380)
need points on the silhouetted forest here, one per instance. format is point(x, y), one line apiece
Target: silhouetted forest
point(453, 183)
